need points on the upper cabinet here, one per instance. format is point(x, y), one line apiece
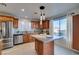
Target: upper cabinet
point(36, 24)
point(6, 18)
point(46, 24)
point(9, 19)
point(15, 23)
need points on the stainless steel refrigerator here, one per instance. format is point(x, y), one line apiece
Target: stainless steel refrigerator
point(6, 34)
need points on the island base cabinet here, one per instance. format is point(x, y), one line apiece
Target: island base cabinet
point(49, 48)
point(44, 48)
point(1, 47)
point(39, 47)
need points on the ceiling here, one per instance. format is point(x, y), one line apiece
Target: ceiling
point(51, 9)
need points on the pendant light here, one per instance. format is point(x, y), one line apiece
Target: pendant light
point(42, 15)
point(41, 19)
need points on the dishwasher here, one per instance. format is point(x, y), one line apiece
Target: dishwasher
point(18, 39)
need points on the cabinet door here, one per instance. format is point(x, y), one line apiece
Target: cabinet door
point(46, 24)
point(76, 32)
point(35, 24)
point(15, 23)
point(30, 39)
point(25, 38)
point(39, 47)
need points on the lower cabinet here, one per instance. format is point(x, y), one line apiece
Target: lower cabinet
point(27, 38)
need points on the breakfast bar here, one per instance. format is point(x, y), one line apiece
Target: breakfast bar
point(44, 44)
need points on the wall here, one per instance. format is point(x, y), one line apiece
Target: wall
point(24, 25)
point(51, 27)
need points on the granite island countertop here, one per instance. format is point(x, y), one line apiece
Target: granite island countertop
point(44, 38)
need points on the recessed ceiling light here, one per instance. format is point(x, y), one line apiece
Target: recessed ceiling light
point(35, 13)
point(22, 10)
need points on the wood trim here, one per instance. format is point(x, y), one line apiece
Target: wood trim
point(4, 18)
point(7, 16)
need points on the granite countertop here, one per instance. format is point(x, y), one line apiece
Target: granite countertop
point(45, 38)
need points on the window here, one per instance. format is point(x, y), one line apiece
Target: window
point(60, 27)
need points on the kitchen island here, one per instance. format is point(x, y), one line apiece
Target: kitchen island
point(44, 44)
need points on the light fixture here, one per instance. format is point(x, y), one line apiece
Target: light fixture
point(3, 5)
point(22, 10)
point(42, 15)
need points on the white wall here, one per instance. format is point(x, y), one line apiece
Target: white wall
point(24, 25)
point(51, 27)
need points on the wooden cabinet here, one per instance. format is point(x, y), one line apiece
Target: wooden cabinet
point(15, 23)
point(6, 18)
point(44, 48)
point(30, 38)
point(46, 24)
point(75, 44)
point(36, 24)
point(39, 47)
point(27, 38)
point(9, 19)
point(1, 44)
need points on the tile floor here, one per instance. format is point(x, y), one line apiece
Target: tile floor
point(28, 49)
point(59, 50)
point(22, 49)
